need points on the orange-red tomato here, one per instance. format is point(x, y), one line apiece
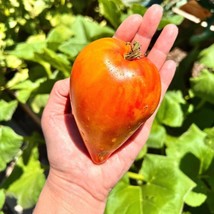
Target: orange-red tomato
point(114, 90)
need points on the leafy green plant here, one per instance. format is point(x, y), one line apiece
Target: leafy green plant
point(174, 171)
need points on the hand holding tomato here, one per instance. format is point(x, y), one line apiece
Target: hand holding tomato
point(75, 184)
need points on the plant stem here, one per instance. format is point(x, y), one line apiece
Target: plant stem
point(135, 176)
point(135, 52)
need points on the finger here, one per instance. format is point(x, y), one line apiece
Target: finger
point(129, 27)
point(58, 102)
point(148, 27)
point(163, 45)
point(167, 73)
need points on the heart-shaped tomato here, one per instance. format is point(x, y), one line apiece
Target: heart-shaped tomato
point(114, 90)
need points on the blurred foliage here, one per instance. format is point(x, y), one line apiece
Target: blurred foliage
point(174, 172)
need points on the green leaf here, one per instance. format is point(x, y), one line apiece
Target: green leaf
point(24, 90)
point(124, 197)
point(111, 10)
point(56, 37)
point(19, 77)
point(94, 31)
point(30, 49)
point(195, 199)
point(39, 102)
point(7, 109)
point(58, 61)
point(26, 50)
point(72, 47)
point(35, 7)
point(206, 56)
point(138, 9)
point(203, 86)
point(85, 30)
point(26, 181)
point(10, 144)
point(2, 198)
point(66, 19)
point(78, 29)
point(209, 140)
point(166, 187)
point(193, 142)
point(13, 61)
point(157, 136)
point(170, 19)
point(170, 112)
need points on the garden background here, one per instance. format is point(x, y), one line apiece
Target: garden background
point(39, 40)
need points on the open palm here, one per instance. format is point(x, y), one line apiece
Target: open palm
point(70, 163)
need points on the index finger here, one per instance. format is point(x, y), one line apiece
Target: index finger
point(162, 46)
point(58, 102)
point(140, 29)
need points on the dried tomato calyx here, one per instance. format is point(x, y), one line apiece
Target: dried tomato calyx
point(135, 52)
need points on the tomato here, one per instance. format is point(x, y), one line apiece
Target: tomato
point(113, 91)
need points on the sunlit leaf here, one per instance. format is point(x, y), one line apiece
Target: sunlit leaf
point(111, 10)
point(7, 109)
point(203, 85)
point(39, 102)
point(26, 50)
point(2, 198)
point(26, 181)
point(19, 76)
point(192, 141)
point(206, 56)
point(24, 90)
point(157, 136)
point(10, 144)
point(56, 37)
point(166, 186)
point(58, 61)
point(72, 47)
point(209, 140)
point(58, 19)
point(13, 61)
point(170, 112)
point(137, 8)
point(170, 19)
point(94, 31)
point(195, 199)
point(34, 7)
point(125, 199)
point(85, 30)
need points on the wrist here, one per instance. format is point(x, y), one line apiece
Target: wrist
point(61, 196)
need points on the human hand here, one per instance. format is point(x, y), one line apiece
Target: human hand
point(75, 184)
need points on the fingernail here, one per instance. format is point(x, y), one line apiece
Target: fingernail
point(157, 7)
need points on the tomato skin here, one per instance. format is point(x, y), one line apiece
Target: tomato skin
point(111, 97)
